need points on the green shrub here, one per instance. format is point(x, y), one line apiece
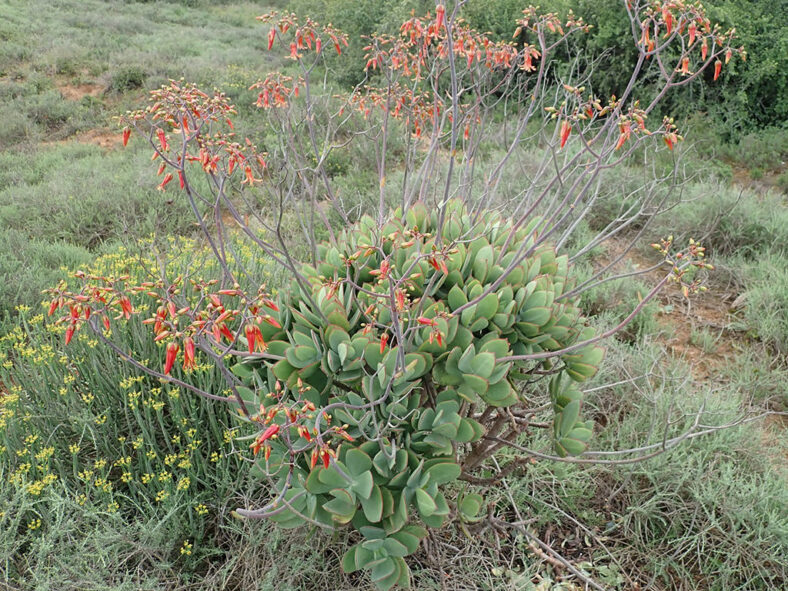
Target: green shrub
point(127, 78)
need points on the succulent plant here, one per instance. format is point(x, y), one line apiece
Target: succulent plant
point(389, 357)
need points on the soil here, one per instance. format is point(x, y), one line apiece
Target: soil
point(76, 93)
point(103, 138)
point(708, 311)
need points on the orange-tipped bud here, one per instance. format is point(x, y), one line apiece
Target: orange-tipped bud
point(126, 136)
point(268, 433)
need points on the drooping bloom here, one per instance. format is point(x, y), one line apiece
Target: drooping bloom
point(440, 12)
point(717, 69)
point(188, 354)
point(162, 140)
point(167, 179)
point(383, 340)
point(566, 129)
point(169, 360)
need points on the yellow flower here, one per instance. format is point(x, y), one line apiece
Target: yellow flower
point(147, 477)
point(161, 495)
point(186, 548)
point(35, 488)
point(34, 524)
point(45, 454)
point(113, 507)
point(183, 483)
point(100, 420)
point(99, 464)
point(201, 509)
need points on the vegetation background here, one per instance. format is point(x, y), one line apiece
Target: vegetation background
point(110, 481)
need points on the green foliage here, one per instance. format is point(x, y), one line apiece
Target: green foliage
point(127, 78)
point(765, 150)
point(86, 436)
point(766, 300)
point(29, 265)
point(732, 221)
point(404, 395)
point(69, 199)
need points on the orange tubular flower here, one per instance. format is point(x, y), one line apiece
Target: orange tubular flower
point(566, 129)
point(162, 140)
point(383, 340)
point(167, 179)
point(188, 354)
point(125, 306)
point(717, 69)
point(440, 12)
point(69, 333)
point(426, 321)
point(172, 353)
point(126, 135)
point(251, 336)
point(271, 37)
